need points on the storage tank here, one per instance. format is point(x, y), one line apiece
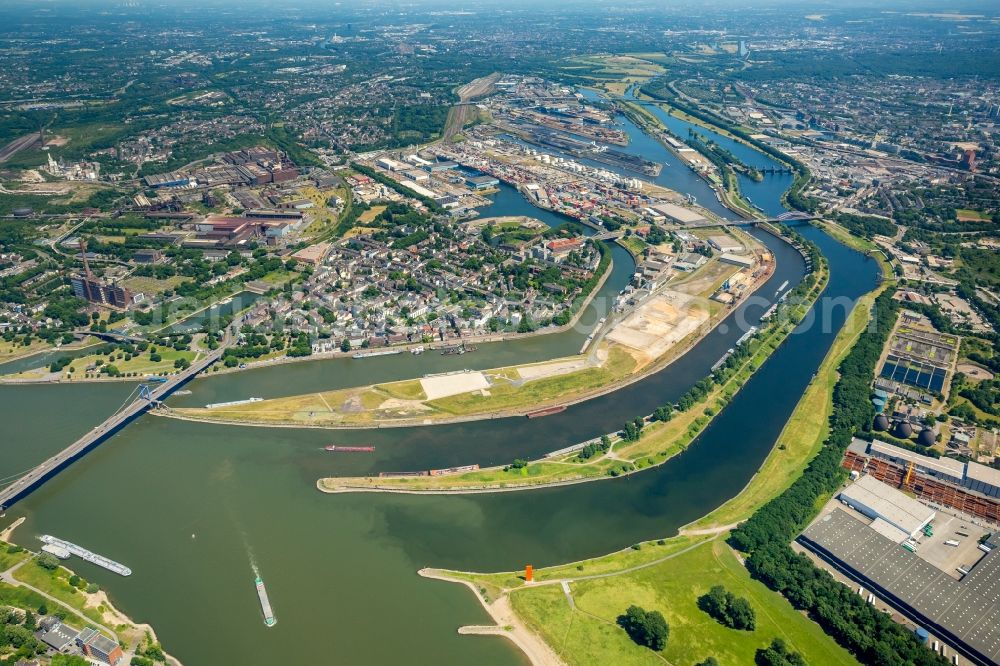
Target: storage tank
point(881, 423)
point(926, 437)
point(903, 430)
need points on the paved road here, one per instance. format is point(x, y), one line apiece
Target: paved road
point(17, 145)
point(8, 577)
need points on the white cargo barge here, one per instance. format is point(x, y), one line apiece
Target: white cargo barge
point(746, 336)
point(232, 403)
point(387, 352)
point(86, 555)
point(265, 604)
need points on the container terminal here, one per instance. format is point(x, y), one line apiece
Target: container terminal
point(60, 547)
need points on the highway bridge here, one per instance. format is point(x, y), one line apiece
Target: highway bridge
point(148, 395)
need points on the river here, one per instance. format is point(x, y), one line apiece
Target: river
point(192, 507)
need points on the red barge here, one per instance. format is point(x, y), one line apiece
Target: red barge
point(546, 412)
point(349, 449)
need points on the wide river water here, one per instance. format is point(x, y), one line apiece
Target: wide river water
point(193, 508)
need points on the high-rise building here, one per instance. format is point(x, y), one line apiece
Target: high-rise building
point(93, 290)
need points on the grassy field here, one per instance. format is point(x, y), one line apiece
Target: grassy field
point(151, 286)
point(9, 350)
point(589, 635)
point(279, 277)
point(8, 559)
point(141, 364)
point(369, 215)
point(56, 584)
point(634, 245)
point(969, 214)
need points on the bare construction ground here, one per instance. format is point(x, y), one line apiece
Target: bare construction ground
point(660, 323)
point(974, 371)
point(541, 370)
point(443, 386)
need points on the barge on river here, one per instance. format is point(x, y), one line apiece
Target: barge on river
point(265, 604)
point(349, 449)
point(84, 554)
point(386, 352)
point(546, 412)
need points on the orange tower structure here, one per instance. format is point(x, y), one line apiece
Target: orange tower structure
point(528, 573)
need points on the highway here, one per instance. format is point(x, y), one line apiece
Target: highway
point(49, 468)
point(17, 145)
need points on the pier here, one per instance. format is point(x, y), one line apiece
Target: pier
point(84, 554)
point(147, 396)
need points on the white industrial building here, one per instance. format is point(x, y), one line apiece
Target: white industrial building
point(724, 243)
point(895, 515)
point(679, 214)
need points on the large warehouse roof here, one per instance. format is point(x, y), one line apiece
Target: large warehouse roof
point(946, 467)
point(983, 478)
point(679, 213)
point(968, 610)
point(876, 499)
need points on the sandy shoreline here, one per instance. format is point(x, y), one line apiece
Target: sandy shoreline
point(508, 624)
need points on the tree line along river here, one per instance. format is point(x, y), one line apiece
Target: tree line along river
point(193, 507)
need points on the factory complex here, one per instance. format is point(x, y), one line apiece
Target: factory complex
point(966, 486)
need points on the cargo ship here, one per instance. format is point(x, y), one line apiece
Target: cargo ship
point(746, 336)
point(387, 352)
point(265, 605)
point(546, 412)
point(349, 449)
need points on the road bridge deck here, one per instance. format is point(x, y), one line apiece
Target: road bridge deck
point(52, 466)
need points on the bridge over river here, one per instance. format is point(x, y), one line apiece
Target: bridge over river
point(147, 396)
point(783, 218)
